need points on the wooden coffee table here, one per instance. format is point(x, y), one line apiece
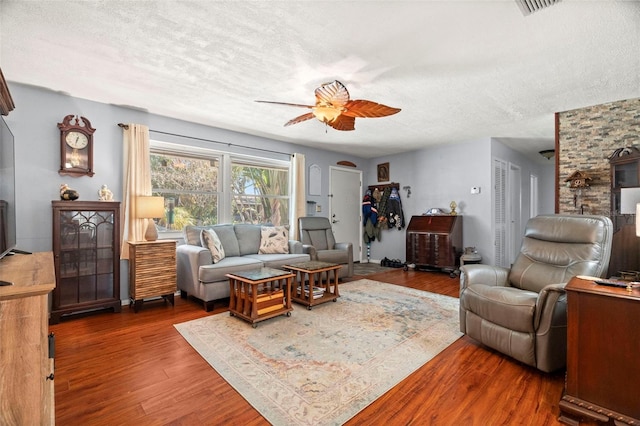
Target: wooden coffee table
point(314, 283)
point(260, 294)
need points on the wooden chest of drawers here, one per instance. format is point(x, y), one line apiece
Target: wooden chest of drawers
point(152, 271)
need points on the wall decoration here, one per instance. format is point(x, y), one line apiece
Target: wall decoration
point(315, 180)
point(76, 146)
point(383, 172)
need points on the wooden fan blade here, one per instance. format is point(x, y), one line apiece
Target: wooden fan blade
point(368, 109)
point(343, 122)
point(300, 119)
point(285, 103)
point(332, 94)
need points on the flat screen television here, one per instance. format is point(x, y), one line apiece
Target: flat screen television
point(7, 191)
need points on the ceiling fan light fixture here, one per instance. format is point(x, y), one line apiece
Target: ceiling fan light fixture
point(335, 108)
point(548, 153)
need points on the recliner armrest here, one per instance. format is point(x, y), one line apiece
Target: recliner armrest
point(310, 250)
point(483, 274)
point(348, 247)
point(548, 298)
point(343, 246)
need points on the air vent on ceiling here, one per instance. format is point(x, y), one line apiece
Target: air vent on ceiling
point(529, 6)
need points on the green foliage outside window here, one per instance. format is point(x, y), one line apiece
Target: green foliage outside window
point(192, 192)
point(260, 194)
point(190, 188)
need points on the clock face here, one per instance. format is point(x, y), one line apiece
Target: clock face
point(77, 140)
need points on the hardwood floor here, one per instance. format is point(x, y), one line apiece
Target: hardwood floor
point(136, 369)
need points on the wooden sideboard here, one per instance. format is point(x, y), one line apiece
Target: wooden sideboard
point(26, 369)
point(435, 242)
point(152, 271)
point(603, 343)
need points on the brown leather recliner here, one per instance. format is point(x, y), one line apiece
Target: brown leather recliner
point(521, 311)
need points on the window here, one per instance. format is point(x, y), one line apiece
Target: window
point(191, 181)
point(260, 194)
point(189, 186)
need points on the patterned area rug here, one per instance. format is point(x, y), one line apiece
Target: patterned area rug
point(321, 367)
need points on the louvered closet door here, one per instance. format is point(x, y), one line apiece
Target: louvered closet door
point(500, 212)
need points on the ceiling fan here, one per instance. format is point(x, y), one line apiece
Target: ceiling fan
point(335, 108)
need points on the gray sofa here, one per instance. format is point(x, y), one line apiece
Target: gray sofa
point(198, 276)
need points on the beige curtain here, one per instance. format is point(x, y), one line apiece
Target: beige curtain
point(299, 199)
point(137, 181)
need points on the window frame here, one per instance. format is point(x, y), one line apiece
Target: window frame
point(226, 160)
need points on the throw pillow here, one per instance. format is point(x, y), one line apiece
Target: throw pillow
point(274, 239)
point(210, 240)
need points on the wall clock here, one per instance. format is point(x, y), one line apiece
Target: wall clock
point(76, 146)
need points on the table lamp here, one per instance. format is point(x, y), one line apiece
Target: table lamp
point(149, 208)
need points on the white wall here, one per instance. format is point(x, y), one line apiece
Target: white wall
point(441, 174)
point(437, 176)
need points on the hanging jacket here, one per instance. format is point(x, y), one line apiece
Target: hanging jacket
point(369, 208)
point(395, 217)
point(369, 218)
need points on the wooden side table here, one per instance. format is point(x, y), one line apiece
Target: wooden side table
point(260, 294)
point(318, 277)
point(603, 371)
point(152, 271)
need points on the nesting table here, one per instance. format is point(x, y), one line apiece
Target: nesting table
point(315, 282)
point(260, 294)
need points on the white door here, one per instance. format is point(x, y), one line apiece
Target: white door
point(345, 207)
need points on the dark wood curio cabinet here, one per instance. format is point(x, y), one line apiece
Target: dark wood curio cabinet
point(86, 250)
point(625, 173)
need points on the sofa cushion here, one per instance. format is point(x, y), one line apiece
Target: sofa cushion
point(228, 265)
point(274, 239)
point(248, 236)
point(224, 232)
point(192, 235)
point(210, 240)
point(228, 238)
point(278, 260)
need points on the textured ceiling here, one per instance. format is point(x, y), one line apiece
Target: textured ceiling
point(460, 70)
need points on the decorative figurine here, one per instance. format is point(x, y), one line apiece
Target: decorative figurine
point(105, 194)
point(453, 206)
point(67, 193)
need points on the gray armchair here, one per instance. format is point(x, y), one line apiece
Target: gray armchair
point(318, 241)
point(521, 311)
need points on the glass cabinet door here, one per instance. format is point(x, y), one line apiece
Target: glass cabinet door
point(625, 175)
point(87, 256)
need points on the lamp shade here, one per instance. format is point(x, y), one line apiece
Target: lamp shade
point(149, 207)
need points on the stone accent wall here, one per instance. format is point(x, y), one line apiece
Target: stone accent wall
point(587, 137)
